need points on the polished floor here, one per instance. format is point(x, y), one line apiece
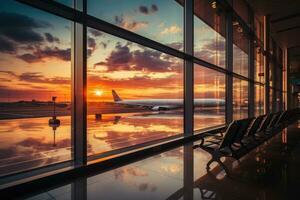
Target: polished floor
point(268, 172)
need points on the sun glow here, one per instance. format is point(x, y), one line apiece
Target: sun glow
point(98, 93)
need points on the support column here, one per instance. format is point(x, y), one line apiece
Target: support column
point(229, 67)
point(188, 68)
point(79, 111)
point(266, 62)
point(79, 189)
point(188, 175)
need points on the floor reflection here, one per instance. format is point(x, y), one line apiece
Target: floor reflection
point(32, 142)
point(268, 172)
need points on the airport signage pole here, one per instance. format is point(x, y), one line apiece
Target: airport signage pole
point(188, 68)
point(229, 67)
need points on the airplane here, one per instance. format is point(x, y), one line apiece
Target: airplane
point(167, 104)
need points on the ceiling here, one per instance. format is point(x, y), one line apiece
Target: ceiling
point(285, 26)
point(284, 17)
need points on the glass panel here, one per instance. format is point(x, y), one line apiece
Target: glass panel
point(35, 87)
point(271, 100)
point(271, 70)
point(259, 66)
point(259, 100)
point(240, 50)
point(135, 94)
point(259, 28)
point(240, 99)
point(209, 32)
point(161, 21)
point(66, 2)
point(209, 94)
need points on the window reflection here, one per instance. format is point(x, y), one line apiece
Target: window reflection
point(240, 99)
point(66, 2)
point(259, 65)
point(209, 97)
point(35, 87)
point(259, 100)
point(209, 32)
point(240, 49)
point(135, 94)
point(161, 21)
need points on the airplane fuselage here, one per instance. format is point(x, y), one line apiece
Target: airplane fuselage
point(172, 103)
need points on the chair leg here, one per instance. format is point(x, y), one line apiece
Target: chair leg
point(209, 163)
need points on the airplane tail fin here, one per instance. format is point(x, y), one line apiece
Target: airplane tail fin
point(116, 96)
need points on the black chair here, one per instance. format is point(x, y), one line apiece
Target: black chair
point(244, 125)
point(250, 138)
point(221, 148)
point(272, 125)
point(265, 123)
point(280, 120)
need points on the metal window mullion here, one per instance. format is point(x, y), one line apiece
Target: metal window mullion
point(188, 68)
point(285, 78)
point(188, 174)
point(251, 93)
point(266, 63)
point(79, 52)
point(275, 79)
point(79, 189)
point(229, 67)
point(288, 86)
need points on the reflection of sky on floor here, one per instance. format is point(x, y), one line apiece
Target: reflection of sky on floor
point(180, 173)
point(29, 143)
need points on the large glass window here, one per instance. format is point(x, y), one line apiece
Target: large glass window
point(271, 99)
point(240, 49)
point(209, 32)
point(240, 99)
point(259, 100)
point(135, 94)
point(259, 28)
point(161, 21)
point(259, 66)
point(35, 88)
point(66, 2)
point(209, 97)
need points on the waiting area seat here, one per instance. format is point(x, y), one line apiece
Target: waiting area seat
point(242, 136)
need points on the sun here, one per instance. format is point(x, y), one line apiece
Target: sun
point(98, 93)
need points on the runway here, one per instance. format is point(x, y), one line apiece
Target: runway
point(18, 111)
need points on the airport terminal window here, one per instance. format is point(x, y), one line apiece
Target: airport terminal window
point(259, 65)
point(35, 88)
point(271, 99)
point(259, 28)
point(209, 32)
point(209, 97)
point(240, 99)
point(161, 21)
point(66, 2)
point(271, 69)
point(134, 94)
point(240, 50)
point(259, 100)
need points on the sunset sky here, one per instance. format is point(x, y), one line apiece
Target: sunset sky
point(35, 50)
